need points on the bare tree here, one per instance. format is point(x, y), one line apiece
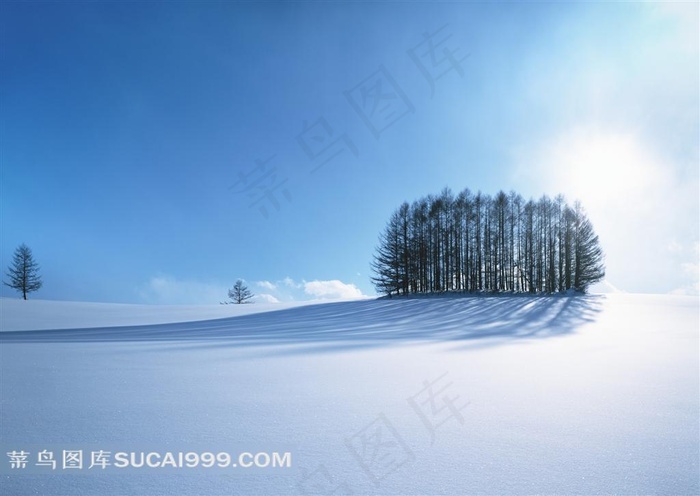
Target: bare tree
point(240, 293)
point(387, 263)
point(590, 267)
point(24, 272)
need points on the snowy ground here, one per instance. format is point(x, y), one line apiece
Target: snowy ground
point(31, 315)
point(565, 395)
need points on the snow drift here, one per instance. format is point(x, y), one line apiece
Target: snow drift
point(474, 395)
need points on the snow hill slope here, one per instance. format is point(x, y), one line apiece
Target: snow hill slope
point(19, 315)
point(474, 395)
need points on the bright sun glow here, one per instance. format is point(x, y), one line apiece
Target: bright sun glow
point(604, 170)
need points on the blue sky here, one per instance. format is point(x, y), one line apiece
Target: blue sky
point(155, 152)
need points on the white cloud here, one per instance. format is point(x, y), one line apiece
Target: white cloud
point(333, 289)
point(288, 289)
point(674, 247)
point(265, 298)
point(267, 285)
point(167, 290)
point(289, 282)
point(690, 271)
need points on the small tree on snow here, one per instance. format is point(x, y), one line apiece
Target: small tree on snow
point(240, 293)
point(24, 272)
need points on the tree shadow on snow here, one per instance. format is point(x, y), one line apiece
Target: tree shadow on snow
point(351, 325)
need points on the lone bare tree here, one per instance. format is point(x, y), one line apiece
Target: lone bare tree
point(240, 293)
point(24, 272)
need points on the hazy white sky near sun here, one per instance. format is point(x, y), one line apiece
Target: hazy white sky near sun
point(631, 156)
point(125, 126)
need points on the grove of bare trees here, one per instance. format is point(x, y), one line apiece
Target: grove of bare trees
point(474, 243)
